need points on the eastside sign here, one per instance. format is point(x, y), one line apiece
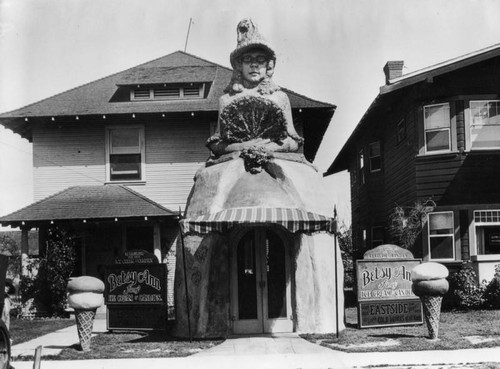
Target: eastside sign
point(384, 291)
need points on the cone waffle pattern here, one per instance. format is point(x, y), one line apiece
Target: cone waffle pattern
point(432, 311)
point(84, 324)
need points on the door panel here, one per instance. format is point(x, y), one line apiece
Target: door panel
point(260, 284)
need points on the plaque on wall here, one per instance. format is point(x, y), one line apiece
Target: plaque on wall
point(136, 257)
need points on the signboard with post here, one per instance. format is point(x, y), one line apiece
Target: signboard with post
point(136, 292)
point(384, 290)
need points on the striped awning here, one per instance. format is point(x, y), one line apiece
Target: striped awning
point(294, 220)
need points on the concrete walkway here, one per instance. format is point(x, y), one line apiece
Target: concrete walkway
point(249, 352)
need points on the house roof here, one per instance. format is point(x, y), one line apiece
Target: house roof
point(390, 92)
point(100, 97)
point(89, 202)
point(441, 68)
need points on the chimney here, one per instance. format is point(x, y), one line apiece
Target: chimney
point(393, 69)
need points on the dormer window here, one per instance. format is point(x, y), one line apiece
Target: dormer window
point(168, 92)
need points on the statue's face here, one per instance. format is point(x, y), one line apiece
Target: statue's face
point(254, 65)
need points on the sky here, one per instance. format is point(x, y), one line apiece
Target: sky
point(329, 50)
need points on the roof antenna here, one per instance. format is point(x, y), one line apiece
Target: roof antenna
point(187, 36)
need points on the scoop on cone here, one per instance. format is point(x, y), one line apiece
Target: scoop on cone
point(430, 284)
point(85, 296)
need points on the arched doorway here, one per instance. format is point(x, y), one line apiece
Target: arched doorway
point(260, 282)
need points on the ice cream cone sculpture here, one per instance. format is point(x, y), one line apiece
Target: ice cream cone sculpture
point(85, 296)
point(430, 284)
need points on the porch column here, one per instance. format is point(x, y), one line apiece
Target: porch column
point(157, 241)
point(24, 250)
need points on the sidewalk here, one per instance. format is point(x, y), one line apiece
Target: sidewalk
point(250, 352)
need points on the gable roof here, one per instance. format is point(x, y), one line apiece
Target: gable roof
point(89, 202)
point(441, 68)
point(394, 88)
point(98, 97)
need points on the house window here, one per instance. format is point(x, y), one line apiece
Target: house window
point(487, 225)
point(437, 128)
point(401, 131)
point(169, 92)
point(125, 153)
point(375, 156)
point(377, 236)
point(441, 236)
point(361, 166)
point(485, 124)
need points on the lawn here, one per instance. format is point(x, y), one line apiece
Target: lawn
point(110, 345)
point(136, 345)
point(458, 330)
point(22, 330)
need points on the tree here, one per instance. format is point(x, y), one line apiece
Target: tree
point(344, 237)
point(405, 224)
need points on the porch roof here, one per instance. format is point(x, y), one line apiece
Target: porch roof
point(88, 203)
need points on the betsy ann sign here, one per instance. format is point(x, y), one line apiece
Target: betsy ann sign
point(384, 290)
point(135, 284)
point(136, 292)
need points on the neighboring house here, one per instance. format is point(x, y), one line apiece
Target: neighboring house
point(432, 134)
point(114, 159)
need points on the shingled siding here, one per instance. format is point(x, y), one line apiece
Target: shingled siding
point(75, 155)
point(399, 162)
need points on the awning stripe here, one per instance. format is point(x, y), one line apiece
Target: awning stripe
point(294, 220)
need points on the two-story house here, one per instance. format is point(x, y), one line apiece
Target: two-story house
point(114, 159)
point(432, 134)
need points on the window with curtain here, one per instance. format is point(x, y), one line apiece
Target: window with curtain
point(437, 128)
point(441, 236)
point(125, 153)
point(485, 124)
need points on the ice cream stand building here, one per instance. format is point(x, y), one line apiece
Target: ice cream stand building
point(114, 160)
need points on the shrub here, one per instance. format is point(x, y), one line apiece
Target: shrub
point(9, 247)
point(465, 292)
point(492, 291)
point(48, 277)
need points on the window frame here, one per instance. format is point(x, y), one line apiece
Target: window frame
point(452, 234)
point(469, 120)
point(361, 166)
point(108, 153)
point(449, 129)
point(401, 131)
point(479, 223)
point(373, 239)
point(370, 157)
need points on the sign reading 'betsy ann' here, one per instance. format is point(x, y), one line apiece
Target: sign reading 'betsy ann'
point(141, 283)
point(384, 280)
point(136, 292)
point(384, 291)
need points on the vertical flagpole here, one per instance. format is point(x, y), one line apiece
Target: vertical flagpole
point(185, 281)
point(336, 283)
point(336, 270)
point(187, 36)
